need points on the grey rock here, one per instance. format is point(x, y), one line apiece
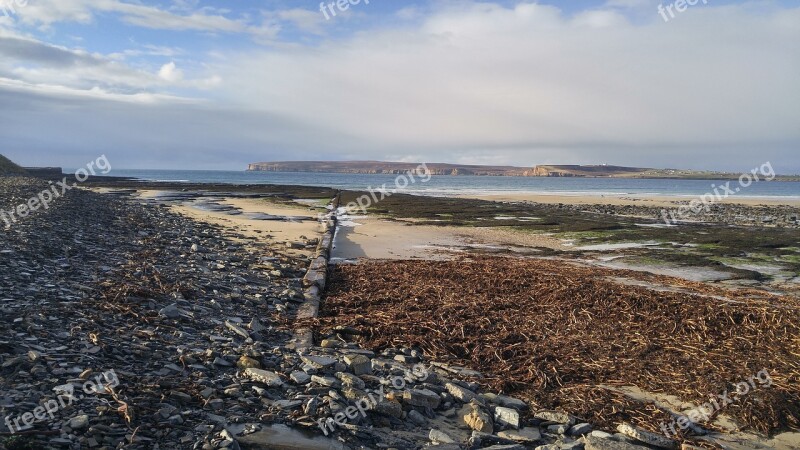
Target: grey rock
point(350, 380)
point(325, 381)
point(601, 434)
point(222, 362)
point(171, 312)
point(508, 402)
point(596, 443)
point(79, 422)
point(358, 364)
point(318, 362)
point(506, 417)
point(422, 398)
point(580, 429)
point(479, 420)
point(554, 416)
point(461, 394)
point(300, 377)
point(647, 437)
point(237, 329)
point(417, 418)
point(526, 435)
point(437, 436)
point(389, 408)
point(270, 379)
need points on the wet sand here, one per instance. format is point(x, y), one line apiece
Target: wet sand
point(375, 238)
point(301, 228)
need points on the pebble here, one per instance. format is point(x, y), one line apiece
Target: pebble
point(270, 379)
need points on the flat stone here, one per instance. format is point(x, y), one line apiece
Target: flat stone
point(417, 418)
point(79, 422)
point(461, 394)
point(554, 416)
point(574, 445)
point(508, 402)
point(358, 364)
point(300, 377)
point(506, 417)
point(479, 420)
point(422, 397)
point(527, 435)
point(319, 362)
point(216, 404)
point(181, 397)
point(222, 362)
point(237, 329)
point(601, 434)
point(389, 408)
point(325, 381)
point(596, 443)
point(256, 326)
point(580, 429)
point(353, 394)
point(271, 379)
point(245, 362)
point(441, 437)
point(350, 380)
point(171, 312)
point(647, 437)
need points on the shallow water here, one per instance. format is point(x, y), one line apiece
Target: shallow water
point(473, 185)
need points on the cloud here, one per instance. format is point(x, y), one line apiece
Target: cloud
point(303, 19)
point(530, 80)
point(463, 82)
point(45, 13)
point(170, 72)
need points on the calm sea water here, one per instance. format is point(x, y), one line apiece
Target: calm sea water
point(452, 185)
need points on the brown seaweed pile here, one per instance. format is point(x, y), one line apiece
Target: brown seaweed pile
point(555, 333)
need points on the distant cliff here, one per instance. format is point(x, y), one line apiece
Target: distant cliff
point(605, 171)
point(7, 167)
point(380, 167)
point(600, 171)
point(586, 171)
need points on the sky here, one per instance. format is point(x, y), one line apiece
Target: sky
point(202, 84)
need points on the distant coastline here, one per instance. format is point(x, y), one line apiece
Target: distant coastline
point(555, 171)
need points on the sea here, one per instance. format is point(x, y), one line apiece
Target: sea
point(444, 185)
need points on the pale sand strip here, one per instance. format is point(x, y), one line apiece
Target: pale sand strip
point(278, 230)
point(660, 201)
point(275, 231)
point(384, 239)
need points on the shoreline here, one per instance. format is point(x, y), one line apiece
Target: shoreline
point(566, 197)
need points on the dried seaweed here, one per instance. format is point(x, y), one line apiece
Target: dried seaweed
point(555, 332)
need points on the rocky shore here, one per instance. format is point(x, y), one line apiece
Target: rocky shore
point(197, 323)
point(720, 213)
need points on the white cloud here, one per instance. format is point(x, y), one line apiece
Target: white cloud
point(170, 72)
point(44, 13)
point(303, 19)
point(465, 82)
point(526, 80)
